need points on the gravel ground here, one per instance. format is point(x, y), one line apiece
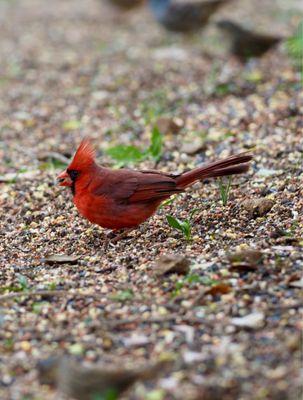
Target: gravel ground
point(231, 322)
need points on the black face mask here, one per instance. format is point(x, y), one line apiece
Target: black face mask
point(73, 174)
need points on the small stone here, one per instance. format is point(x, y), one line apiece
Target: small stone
point(136, 340)
point(250, 321)
point(25, 345)
point(193, 147)
point(297, 284)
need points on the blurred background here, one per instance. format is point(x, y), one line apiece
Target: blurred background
point(98, 68)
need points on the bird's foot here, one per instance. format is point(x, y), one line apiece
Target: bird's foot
point(120, 236)
point(114, 237)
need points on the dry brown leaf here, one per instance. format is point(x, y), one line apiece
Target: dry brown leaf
point(172, 263)
point(168, 125)
point(220, 288)
point(245, 260)
point(258, 207)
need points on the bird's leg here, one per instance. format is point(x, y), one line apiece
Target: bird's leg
point(123, 233)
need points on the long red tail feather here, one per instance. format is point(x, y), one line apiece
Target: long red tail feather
point(236, 164)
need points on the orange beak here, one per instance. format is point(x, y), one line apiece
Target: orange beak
point(64, 179)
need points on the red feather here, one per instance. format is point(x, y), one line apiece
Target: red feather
point(125, 198)
point(84, 156)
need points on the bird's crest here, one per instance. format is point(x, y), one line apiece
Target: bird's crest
point(84, 156)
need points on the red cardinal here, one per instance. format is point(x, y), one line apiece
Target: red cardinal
point(124, 198)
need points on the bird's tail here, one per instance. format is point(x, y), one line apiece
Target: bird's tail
point(236, 164)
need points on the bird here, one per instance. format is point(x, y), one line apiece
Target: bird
point(99, 381)
point(184, 17)
point(126, 4)
point(246, 44)
point(125, 198)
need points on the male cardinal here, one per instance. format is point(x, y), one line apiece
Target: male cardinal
point(124, 198)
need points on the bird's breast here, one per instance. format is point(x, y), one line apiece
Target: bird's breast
point(106, 212)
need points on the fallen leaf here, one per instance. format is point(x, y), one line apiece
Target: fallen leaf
point(288, 240)
point(172, 263)
point(168, 125)
point(60, 259)
point(220, 288)
point(245, 260)
point(258, 207)
point(250, 321)
point(71, 125)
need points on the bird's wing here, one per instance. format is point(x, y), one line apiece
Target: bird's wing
point(127, 186)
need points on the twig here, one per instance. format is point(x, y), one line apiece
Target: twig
point(47, 293)
point(136, 320)
point(56, 156)
point(154, 320)
point(278, 307)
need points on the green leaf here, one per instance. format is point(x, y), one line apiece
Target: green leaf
point(205, 280)
point(174, 222)
point(76, 349)
point(125, 154)
point(71, 125)
point(8, 344)
point(38, 306)
point(193, 278)
point(52, 164)
point(183, 226)
point(225, 190)
point(52, 286)
point(23, 282)
point(109, 394)
point(193, 212)
point(156, 394)
point(155, 148)
point(295, 44)
point(295, 48)
point(123, 295)
point(186, 229)
point(168, 202)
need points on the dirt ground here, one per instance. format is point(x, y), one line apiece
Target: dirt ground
point(232, 323)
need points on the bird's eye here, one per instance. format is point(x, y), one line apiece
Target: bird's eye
point(73, 174)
